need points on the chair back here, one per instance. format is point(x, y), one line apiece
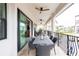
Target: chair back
point(54, 40)
point(32, 40)
point(51, 37)
point(31, 43)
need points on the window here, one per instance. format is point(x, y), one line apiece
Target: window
point(23, 29)
point(3, 21)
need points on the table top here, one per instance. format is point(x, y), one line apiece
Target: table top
point(44, 41)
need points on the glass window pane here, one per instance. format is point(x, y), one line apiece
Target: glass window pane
point(22, 33)
point(22, 29)
point(22, 17)
point(2, 10)
point(2, 29)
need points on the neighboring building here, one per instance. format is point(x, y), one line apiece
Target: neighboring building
point(77, 24)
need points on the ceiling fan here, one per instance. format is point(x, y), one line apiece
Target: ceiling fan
point(41, 9)
point(41, 21)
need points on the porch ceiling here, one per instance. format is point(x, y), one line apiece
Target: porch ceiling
point(35, 15)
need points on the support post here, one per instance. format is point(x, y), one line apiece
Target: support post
point(67, 44)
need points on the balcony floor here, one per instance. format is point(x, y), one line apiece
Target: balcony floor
point(59, 52)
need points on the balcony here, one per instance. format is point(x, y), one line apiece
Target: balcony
point(21, 21)
point(67, 44)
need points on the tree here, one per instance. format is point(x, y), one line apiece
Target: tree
point(62, 29)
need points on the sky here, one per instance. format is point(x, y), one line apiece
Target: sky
point(67, 18)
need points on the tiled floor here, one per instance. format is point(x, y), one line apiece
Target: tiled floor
point(59, 52)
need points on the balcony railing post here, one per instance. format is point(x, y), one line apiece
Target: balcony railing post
point(77, 40)
point(67, 44)
point(58, 39)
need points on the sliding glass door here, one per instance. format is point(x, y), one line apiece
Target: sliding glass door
point(23, 29)
point(22, 33)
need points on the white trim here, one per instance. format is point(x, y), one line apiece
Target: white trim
point(65, 8)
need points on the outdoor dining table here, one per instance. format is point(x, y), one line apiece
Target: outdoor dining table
point(43, 46)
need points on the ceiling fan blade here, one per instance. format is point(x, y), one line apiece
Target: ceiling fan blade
point(45, 9)
point(37, 8)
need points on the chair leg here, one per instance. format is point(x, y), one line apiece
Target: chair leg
point(28, 51)
point(54, 50)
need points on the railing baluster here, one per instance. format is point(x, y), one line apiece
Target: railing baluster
point(58, 39)
point(77, 40)
point(72, 41)
point(76, 46)
point(67, 44)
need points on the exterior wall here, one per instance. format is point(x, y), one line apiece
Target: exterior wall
point(8, 46)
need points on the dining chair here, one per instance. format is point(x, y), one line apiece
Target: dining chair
point(30, 44)
point(43, 51)
point(54, 41)
point(51, 37)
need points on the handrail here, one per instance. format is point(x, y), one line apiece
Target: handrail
point(72, 40)
point(74, 35)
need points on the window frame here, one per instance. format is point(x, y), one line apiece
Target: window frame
point(5, 21)
point(18, 34)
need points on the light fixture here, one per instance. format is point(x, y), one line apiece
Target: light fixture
point(41, 9)
point(40, 21)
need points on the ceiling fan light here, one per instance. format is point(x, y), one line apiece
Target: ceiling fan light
point(40, 19)
point(41, 9)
